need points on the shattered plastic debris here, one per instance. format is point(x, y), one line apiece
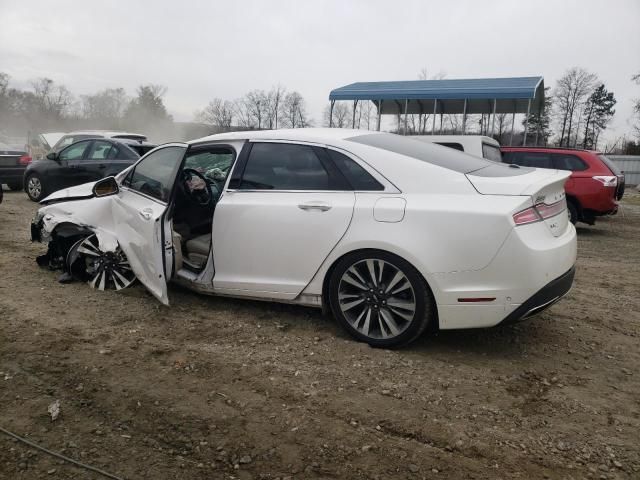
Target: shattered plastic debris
point(54, 410)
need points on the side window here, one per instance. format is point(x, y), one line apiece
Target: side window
point(74, 152)
point(491, 152)
point(283, 166)
point(530, 159)
point(156, 174)
point(568, 162)
point(213, 163)
point(357, 176)
point(101, 150)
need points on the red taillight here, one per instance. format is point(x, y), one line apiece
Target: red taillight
point(25, 160)
point(538, 212)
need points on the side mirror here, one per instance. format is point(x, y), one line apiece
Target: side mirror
point(52, 156)
point(105, 187)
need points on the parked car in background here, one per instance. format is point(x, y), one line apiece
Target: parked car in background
point(13, 162)
point(478, 145)
point(73, 137)
point(84, 161)
point(41, 144)
point(594, 187)
point(373, 226)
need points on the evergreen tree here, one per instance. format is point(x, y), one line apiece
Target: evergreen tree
point(598, 112)
point(540, 122)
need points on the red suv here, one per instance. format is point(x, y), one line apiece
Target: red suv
point(594, 187)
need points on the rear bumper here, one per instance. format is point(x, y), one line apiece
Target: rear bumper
point(543, 298)
point(12, 174)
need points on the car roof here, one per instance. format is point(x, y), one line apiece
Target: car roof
point(557, 149)
point(104, 133)
point(318, 135)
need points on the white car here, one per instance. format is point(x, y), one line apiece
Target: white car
point(478, 145)
point(391, 234)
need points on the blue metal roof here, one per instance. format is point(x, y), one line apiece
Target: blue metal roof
point(486, 88)
point(448, 96)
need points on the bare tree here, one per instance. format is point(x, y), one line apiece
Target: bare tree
point(53, 99)
point(218, 113)
point(294, 111)
point(257, 104)
point(570, 92)
point(109, 104)
point(274, 104)
point(341, 115)
point(636, 108)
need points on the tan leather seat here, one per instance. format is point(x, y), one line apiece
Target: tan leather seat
point(199, 245)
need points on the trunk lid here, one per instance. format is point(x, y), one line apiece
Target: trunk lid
point(544, 187)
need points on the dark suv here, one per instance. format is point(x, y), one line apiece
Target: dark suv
point(594, 187)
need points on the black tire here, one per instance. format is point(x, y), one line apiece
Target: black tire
point(373, 315)
point(15, 186)
point(30, 185)
point(573, 212)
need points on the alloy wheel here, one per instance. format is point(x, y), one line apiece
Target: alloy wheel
point(103, 270)
point(377, 298)
point(34, 187)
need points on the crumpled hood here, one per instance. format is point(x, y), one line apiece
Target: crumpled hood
point(78, 192)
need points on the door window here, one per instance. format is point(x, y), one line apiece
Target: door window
point(284, 166)
point(102, 150)
point(156, 173)
point(74, 152)
point(213, 163)
point(357, 176)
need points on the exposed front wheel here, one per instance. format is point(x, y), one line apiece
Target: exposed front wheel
point(380, 299)
point(35, 187)
point(101, 270)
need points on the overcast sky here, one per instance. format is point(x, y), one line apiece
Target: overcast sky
point(206, 49)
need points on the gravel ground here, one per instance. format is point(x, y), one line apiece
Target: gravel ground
point(215, 388)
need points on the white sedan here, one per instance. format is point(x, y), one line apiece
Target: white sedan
point(393, 235)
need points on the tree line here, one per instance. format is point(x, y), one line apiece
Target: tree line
point(258, 109)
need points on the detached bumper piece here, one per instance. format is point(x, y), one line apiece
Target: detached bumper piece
point(543, 299)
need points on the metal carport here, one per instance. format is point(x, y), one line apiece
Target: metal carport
point(456, 96)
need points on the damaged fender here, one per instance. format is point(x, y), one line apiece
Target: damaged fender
point(70, 212)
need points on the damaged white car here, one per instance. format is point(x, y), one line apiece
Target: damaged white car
point(391, 234)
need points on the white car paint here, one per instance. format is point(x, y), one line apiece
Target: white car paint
point(456, 229)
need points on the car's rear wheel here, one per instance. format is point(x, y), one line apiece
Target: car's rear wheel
point(573, 212)
point(35, 188)
point(380, 298)
point(15, 186)
point(101, 270)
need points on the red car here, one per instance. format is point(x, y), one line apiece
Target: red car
point(594, 187)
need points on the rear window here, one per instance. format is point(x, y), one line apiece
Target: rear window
point(612, 166)
point(421, 151)
point(568, 162)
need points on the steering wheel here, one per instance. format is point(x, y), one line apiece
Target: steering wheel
point(200, 196)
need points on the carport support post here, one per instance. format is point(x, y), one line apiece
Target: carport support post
point(493, 120)
point(406, 106)
point(526, 123)
point(464, 117)
point(435, 112)
point(513, 121)
point(331, 113)
point(379, 113)
point(353, 118)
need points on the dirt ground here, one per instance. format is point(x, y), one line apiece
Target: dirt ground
point(215, 388)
